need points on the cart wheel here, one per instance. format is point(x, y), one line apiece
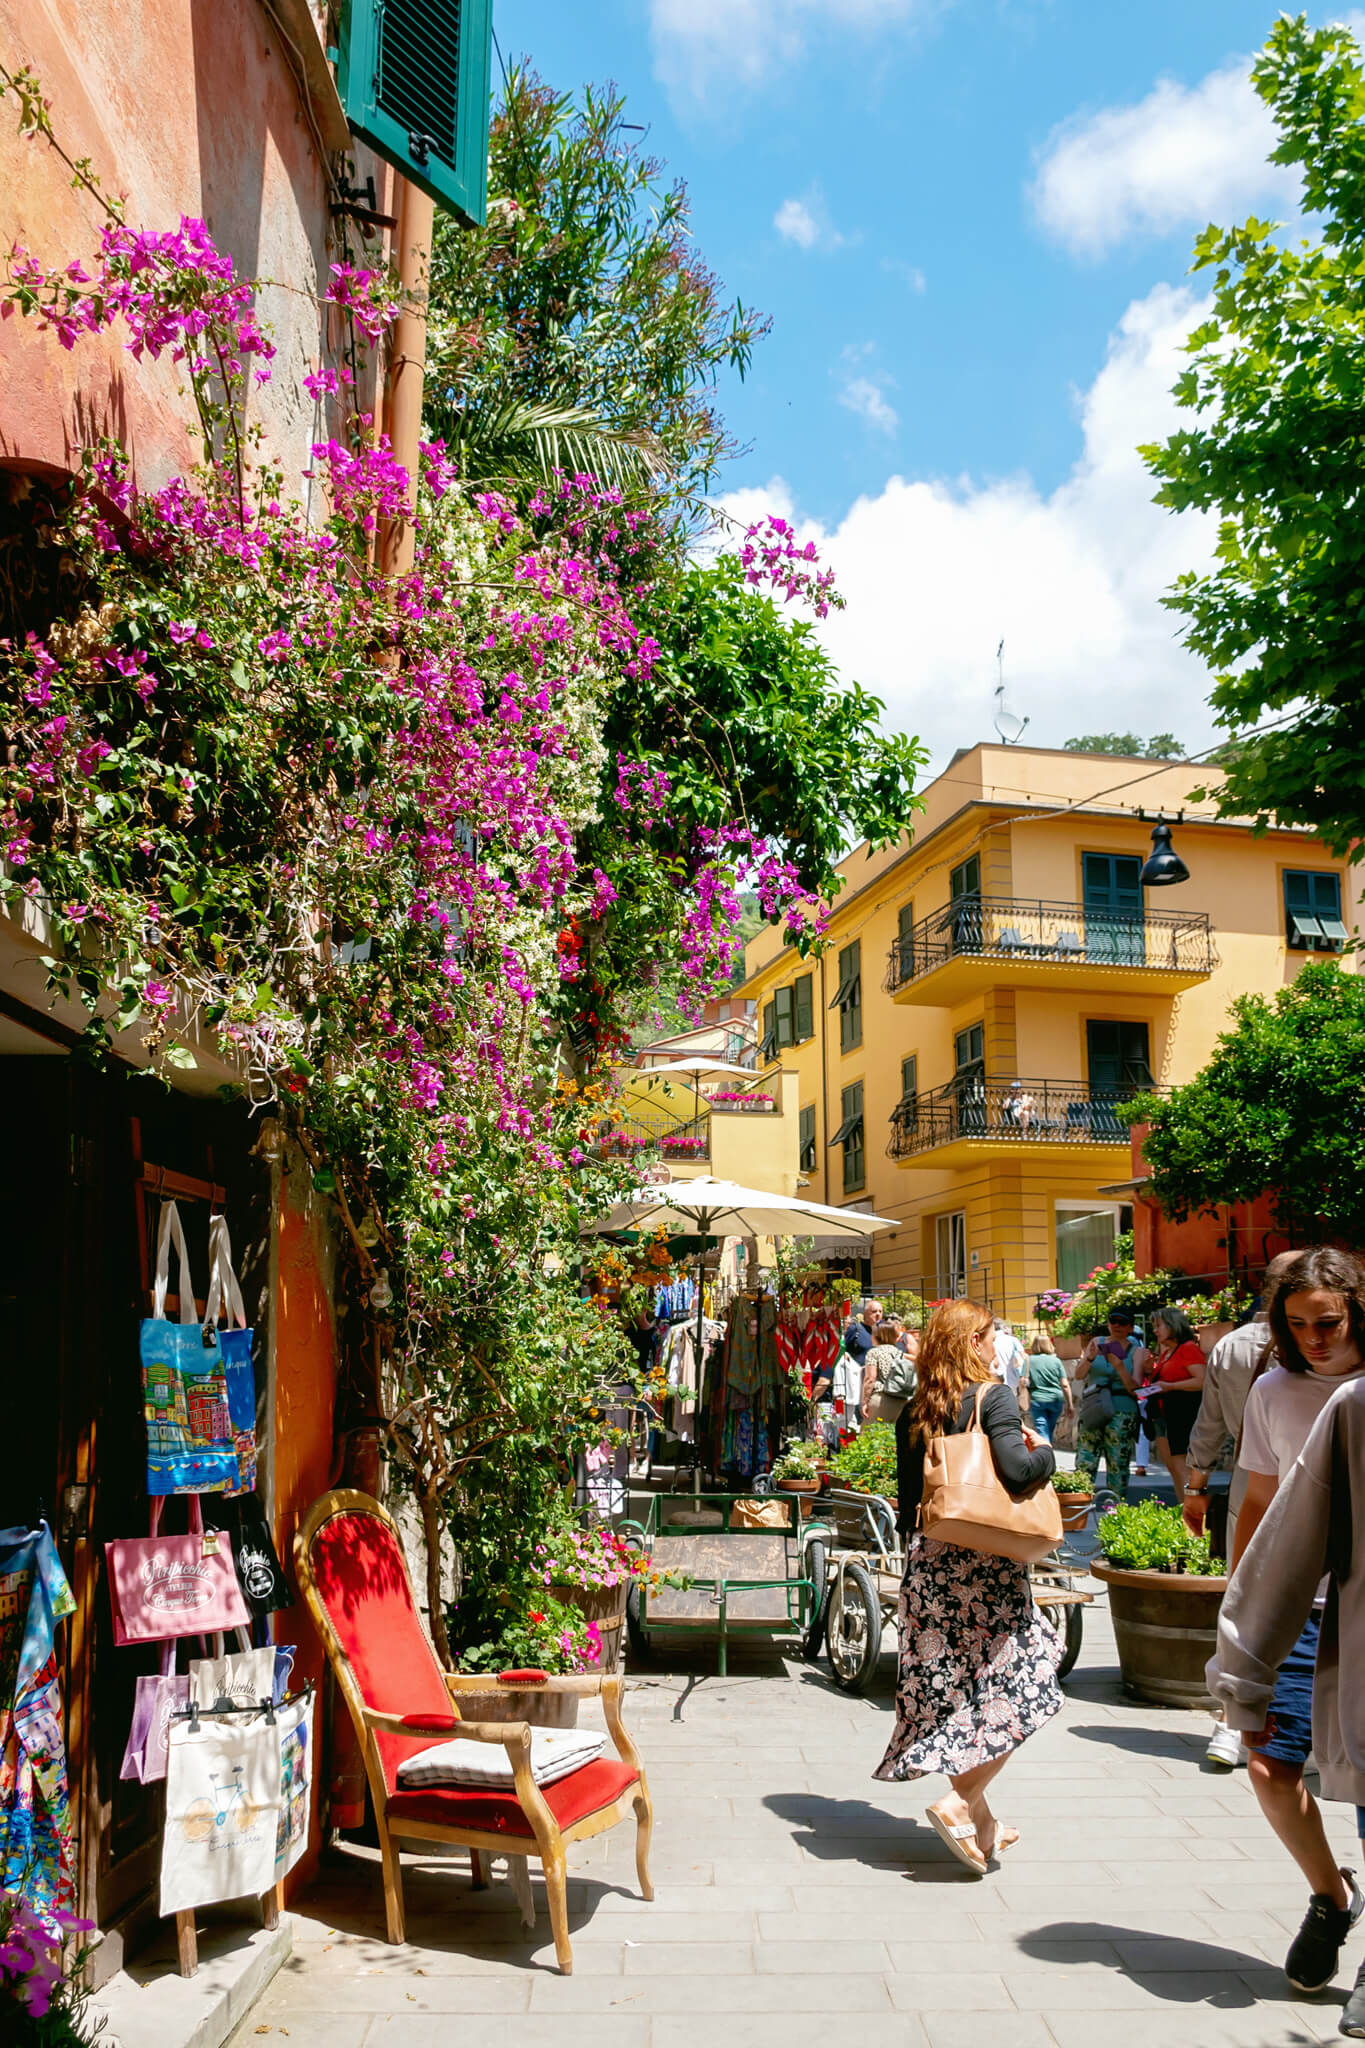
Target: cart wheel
point(1075, 1622)
point(635, 1629)
point(814, 1565)
point(855, 1630)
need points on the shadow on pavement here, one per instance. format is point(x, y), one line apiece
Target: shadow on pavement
point(855, 1831)
point(1184, 1971)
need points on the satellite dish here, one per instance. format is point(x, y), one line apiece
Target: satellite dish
point(1007, 723)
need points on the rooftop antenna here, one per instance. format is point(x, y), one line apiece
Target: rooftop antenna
point(1007, 723)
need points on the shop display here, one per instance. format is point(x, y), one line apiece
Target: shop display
point(243, 1678)
point(238, 1796)
point(37, 1851)
point(259, 1571)
point(155, 1700)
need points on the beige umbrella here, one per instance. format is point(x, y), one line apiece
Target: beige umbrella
point(695, 1065)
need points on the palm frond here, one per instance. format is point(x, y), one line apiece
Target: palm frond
point(531, 440)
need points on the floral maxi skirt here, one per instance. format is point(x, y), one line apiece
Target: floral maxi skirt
point(978, 1663)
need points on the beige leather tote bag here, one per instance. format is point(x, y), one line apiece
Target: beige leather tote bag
point(967, 1503)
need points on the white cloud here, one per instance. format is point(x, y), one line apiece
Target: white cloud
point(1182, 156)
point(909, 273)
point(807, 223)
point(703, 47)
point(935, 572)
point(867, 399)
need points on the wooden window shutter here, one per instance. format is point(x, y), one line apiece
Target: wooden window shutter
point(413, 76)
point(783, 1001)
point(804, 992)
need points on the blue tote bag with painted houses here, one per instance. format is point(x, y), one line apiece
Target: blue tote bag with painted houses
point(198, 1389)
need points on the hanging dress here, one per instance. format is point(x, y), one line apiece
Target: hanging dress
point(37, 1850)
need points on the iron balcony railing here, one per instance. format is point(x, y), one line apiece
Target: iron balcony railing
point(1016, 928)
point(1014, 1112)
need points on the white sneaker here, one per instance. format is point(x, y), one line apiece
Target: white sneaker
point(1225, 1748)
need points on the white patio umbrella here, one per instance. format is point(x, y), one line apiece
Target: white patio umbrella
point(693, 1067)
point(721, 1208)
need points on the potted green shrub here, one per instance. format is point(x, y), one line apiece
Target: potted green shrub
point(1075, 1492)
point(1165, 1589)
point(800, 1470)
point(868, 1462)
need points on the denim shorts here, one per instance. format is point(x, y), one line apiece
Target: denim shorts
point(1291, 1706)
point(1290, 1712)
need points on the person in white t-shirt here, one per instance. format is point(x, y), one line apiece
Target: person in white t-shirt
point(1011, 1359)
point(1317, 1329)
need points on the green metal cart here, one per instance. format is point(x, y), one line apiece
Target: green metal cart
point(740, 1580)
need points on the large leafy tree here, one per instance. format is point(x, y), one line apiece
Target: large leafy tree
point(579, 328)
point(1276, 380)
point(1280, 1106)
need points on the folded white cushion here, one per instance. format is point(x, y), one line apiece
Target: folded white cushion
point(555, 1752)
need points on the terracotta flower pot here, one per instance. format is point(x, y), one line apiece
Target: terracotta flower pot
point(1166, 1628)
point(1075, 1509)
point(806, 1491)
point(1068, 1347)
point(505, 1703)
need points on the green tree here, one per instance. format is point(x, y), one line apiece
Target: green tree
point(1277, 381)
point(579, 328)
point(1162, 746)
point(1280, 1106)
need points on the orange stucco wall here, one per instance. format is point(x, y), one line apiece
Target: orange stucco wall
point(182, 106)
point(304, 1412)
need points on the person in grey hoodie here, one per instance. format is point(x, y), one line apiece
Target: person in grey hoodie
point(1315, 1525)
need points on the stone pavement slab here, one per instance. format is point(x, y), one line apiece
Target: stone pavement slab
point(800, 1902)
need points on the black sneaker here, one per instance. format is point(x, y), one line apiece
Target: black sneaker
point(1315, 1950)
point(1353, 2018)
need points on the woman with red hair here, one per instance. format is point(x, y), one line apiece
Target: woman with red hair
point(978, 1663)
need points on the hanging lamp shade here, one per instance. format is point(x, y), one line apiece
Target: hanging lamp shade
point(1163, 865)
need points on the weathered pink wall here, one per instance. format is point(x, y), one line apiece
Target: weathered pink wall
point(182, 106)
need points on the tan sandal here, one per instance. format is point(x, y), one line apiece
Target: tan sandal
point(1005, 1838)
point(957, 1838)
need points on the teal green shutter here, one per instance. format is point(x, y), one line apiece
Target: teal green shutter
point(805, 1007)
point(413, 76)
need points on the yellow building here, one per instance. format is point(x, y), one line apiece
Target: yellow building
point(997, 986)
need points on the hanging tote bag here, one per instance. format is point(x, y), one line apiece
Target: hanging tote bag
point(223, 1799)
point(190, 1443)
point(259, 1571)
point(968, 1504)
point(155, 1700)
point(165, 1586)
point(244, 1678)
point(296, 1782)
point(225, 1299)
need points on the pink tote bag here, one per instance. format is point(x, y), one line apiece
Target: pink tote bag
point(164, 1586)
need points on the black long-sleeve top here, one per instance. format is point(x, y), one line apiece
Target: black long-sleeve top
point(1018, 1466)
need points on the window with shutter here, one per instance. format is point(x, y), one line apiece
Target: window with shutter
point(905, 941)
point(768, 1043)
point(909, 1078)
point(806, 1135)
point(848, 996)
point(850, 1136)
point(803, 990)
point(413, 76)
point(784, 1010)
point(1312, 912)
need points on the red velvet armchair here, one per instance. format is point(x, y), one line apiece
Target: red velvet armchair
point(354, 1579)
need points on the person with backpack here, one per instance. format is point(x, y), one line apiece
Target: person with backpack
point(1108, 1372)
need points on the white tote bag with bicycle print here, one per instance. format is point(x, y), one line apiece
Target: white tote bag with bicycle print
point(223, 1801)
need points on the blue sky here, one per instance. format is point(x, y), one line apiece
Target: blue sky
point(970, 220)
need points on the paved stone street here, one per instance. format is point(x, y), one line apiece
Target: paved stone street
point(799, 1902)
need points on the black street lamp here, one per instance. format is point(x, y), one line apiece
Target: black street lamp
point(1163, 865)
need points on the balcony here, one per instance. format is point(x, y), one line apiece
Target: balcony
point(748, 1135)
point(974, 1119)
point(980, 941)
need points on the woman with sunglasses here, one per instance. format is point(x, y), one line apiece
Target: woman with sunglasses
point(978, 1663)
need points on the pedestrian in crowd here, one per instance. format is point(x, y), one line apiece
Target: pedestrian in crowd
point(978, 1663)
point(1110, 1365)
point(1315, 1524)
point(1234, 1363)
point(1010, 1357)
point(1049, 1389)
point(908, 1340)
point(885, 1358)
point(857, 1342)
point(1176, 1377)
point(1317, 1328)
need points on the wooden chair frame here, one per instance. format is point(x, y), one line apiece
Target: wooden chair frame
point(549, 1841)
